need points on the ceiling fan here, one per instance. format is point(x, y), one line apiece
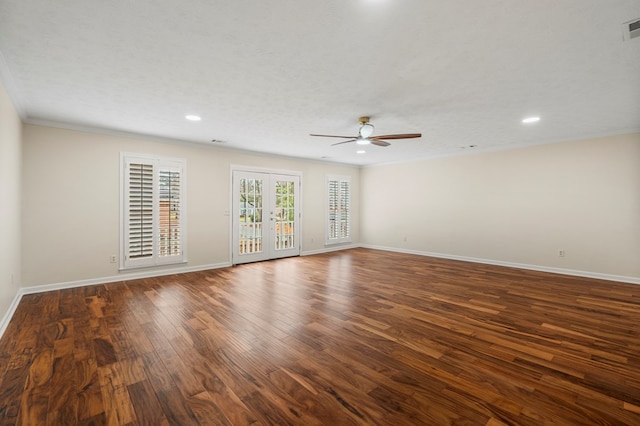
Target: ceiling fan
point(365, 135)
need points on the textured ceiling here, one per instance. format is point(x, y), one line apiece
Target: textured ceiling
point(263, 75)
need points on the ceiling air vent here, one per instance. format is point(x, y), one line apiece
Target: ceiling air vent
point(631, 29)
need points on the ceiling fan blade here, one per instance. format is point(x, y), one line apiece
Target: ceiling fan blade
point(334, 136)
point(400, 136)
point(379, 143)
point(340, 143)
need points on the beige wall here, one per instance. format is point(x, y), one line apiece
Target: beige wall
point(519, 206)
point(10, 164)
point(71, 201)
point(514, 207)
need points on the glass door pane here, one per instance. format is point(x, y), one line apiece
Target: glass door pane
point(250, 216)
point(284, 215)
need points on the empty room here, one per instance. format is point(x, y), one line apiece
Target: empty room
point(347, 212)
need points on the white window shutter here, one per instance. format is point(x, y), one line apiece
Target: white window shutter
point(169, 214)
point(344, 201)
point(139, 212)
point(153, 211)
point(338, 209)
point(333, 209)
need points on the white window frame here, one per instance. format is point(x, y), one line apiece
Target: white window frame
point(159, 164)
point(340, 239)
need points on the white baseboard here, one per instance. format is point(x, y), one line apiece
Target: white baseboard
point(563, 271)
point(9, 314)
point(125, 276)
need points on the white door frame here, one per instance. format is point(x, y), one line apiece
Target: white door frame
point(232, 213)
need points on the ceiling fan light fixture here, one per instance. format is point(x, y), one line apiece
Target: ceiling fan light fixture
point(366, 130)
point(364, 135)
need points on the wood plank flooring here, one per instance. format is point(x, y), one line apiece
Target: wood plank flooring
point(358, 337)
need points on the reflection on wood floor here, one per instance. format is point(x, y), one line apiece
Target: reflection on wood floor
point(353, 337)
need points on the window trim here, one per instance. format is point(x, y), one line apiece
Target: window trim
point(160, 164)
point(340, 240)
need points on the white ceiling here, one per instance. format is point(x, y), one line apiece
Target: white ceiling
point(263, 75)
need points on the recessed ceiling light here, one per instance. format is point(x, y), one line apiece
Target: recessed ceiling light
point(362, 151)
point(192, 117)
point(530, 120)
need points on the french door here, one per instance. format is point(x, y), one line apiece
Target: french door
point(266, 216)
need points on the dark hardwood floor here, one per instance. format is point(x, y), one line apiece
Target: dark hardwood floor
point(353, 337)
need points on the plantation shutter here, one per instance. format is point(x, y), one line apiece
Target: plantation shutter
point(139, 212)
point(333, 209)
point(170, 213)
point(153, 200)
point(344, 202)
point(338, 210)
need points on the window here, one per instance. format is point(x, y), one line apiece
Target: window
point(153, 205)
point(338, 209)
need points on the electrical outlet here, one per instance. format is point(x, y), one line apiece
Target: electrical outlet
point(561, 253)
point(112, 258)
